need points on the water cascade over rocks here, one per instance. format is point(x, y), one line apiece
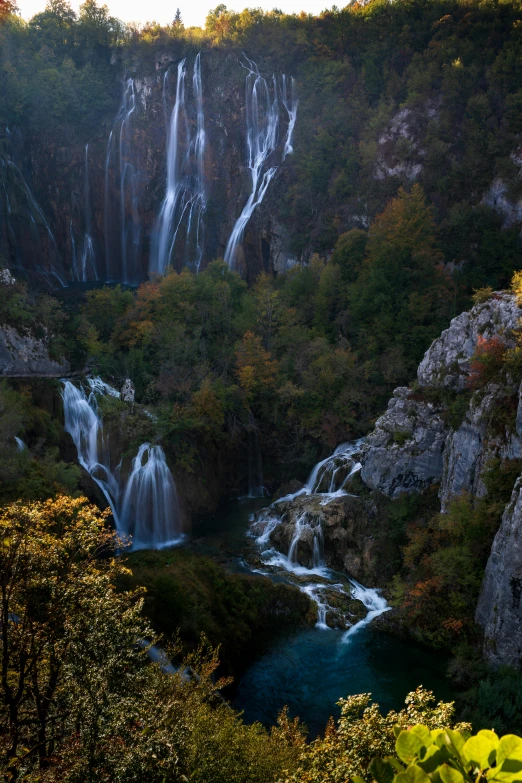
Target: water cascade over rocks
point(145, 505)
point(339, 598)
point(179, 229)
point(263, 138)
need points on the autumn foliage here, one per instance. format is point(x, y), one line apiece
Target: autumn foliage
point(486, 362)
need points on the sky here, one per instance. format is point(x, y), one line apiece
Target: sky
point(193, 13)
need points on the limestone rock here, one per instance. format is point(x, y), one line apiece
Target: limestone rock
point(446, 362)
point(128, 392)
point(499, 611)
point(469, 449)
point(6, 278)
point(404, 452)
point(24, 355)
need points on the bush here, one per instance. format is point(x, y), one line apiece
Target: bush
point(450, 756)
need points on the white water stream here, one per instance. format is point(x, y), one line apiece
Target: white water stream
point(145, 504)
point(178, 234)
point(327, 481)
point(263, 138)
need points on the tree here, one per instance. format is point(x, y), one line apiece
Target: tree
point(80, 700)
point(6, 8)
point(178, 21)
point(63, 627)
point(402, 296)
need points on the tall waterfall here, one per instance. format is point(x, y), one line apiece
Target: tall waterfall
point(145, 505)
point(122, 227)
point(179, 228)
point(263, 140)
point(84, 257)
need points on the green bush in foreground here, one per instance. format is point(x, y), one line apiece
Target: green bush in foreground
point(449, 756)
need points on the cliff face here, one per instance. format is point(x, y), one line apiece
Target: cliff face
point(441, 433)
point(417, 442)
point(77, 211)
point(24, 355)
point(499, 611)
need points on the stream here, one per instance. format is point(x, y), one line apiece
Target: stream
point(310, 670)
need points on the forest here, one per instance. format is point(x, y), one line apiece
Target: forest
point(399, 206)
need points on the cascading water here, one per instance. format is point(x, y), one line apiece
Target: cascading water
point(144, 507)
point(263, 140)
point(84, 257)
point(289, 101)
point(179, 228)
point(331, 474)
point(84, 424)
point(150, 509)
point(122, 227)
point(325, 483)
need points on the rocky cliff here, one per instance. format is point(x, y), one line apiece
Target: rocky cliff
point(437, 432)
point(445, 431)
point(24, 355)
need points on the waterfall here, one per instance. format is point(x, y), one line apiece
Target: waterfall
point(84, 424)
point(289, 101)
point(262, 137)
point(20, 445)
point(146, 505)
point(371, 599)
point(122, 251)
point(88, 269)
point(150, 510)
point(84, 260)
point(178, 234)
point(326, 481)
point(327, 471)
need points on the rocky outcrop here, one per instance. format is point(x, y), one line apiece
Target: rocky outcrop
point(416, 443)
point(499, 610)
point(478, 440)
point(340, 531)
point(23, 355)
point(422, 439)
point(446, 363)
point(405, 451)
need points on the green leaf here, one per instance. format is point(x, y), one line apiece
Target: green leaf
point(413, 774)
point(358, 779)
point(457, 740)
point(396, 764)
point(450, 775)
point(412, 742)
point(481, 750)
point(509, 747)
point(433, 758)
point(382, 771)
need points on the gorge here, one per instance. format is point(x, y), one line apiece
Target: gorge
point(260, 390)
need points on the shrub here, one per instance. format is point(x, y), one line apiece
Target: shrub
point(450, 756)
